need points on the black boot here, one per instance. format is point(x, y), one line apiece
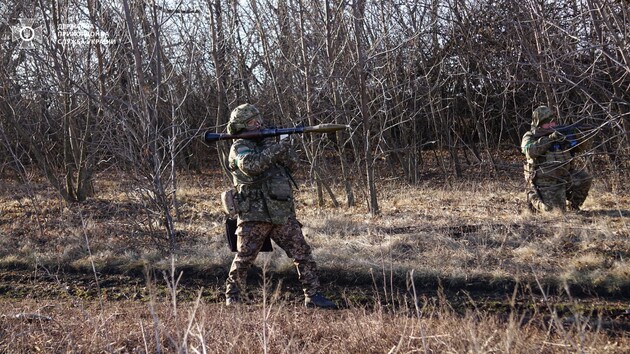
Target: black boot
point(319, 300)
point(573, 207)
point(530, 205)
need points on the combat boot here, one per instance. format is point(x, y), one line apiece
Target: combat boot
point(576, 209)
point(573, 206)
point(530, 204)
point(319, 300)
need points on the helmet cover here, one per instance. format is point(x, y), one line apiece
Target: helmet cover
point(239, 117)
point(541, 115)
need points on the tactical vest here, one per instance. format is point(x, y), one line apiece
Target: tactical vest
point(267, 196)
point(554, 163)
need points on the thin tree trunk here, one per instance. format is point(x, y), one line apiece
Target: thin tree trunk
point(359, 13)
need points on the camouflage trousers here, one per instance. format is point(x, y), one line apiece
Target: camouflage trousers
point(550, 193)
point(289, 237)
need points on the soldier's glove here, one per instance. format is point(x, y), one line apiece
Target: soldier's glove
point(276, 151)
point(285, 141)
point(557, 136)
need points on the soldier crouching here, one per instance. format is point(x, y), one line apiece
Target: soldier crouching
point(552, 175)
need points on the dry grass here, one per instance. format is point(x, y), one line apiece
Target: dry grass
point(445, 268)
point(72, 325)
point(480, 230)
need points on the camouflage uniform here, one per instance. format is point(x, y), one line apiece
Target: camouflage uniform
point(260, 172)
point(551, 172)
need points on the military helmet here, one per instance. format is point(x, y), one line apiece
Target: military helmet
point(541, 115)
point(240, 115)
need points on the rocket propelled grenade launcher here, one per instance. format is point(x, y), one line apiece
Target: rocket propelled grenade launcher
point(264, 133)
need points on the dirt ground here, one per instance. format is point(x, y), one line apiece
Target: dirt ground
point(429, 225)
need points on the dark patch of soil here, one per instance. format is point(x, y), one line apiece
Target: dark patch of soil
point(610, 313)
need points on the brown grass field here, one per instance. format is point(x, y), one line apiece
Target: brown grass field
point(451, 266)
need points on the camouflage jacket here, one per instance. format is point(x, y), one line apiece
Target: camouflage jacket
point(261, 176)
point(549, 158)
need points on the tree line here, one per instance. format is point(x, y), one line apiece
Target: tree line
point(87, 84)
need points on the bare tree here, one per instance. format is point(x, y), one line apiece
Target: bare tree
point(63, 132)
point(359, 15)
point(455, 80)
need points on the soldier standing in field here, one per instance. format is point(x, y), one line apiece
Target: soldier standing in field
point(260, 171)
point(552, 175)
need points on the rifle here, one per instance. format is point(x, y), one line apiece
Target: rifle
point(568, 130)
point(574, 135)
point(264, 133)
